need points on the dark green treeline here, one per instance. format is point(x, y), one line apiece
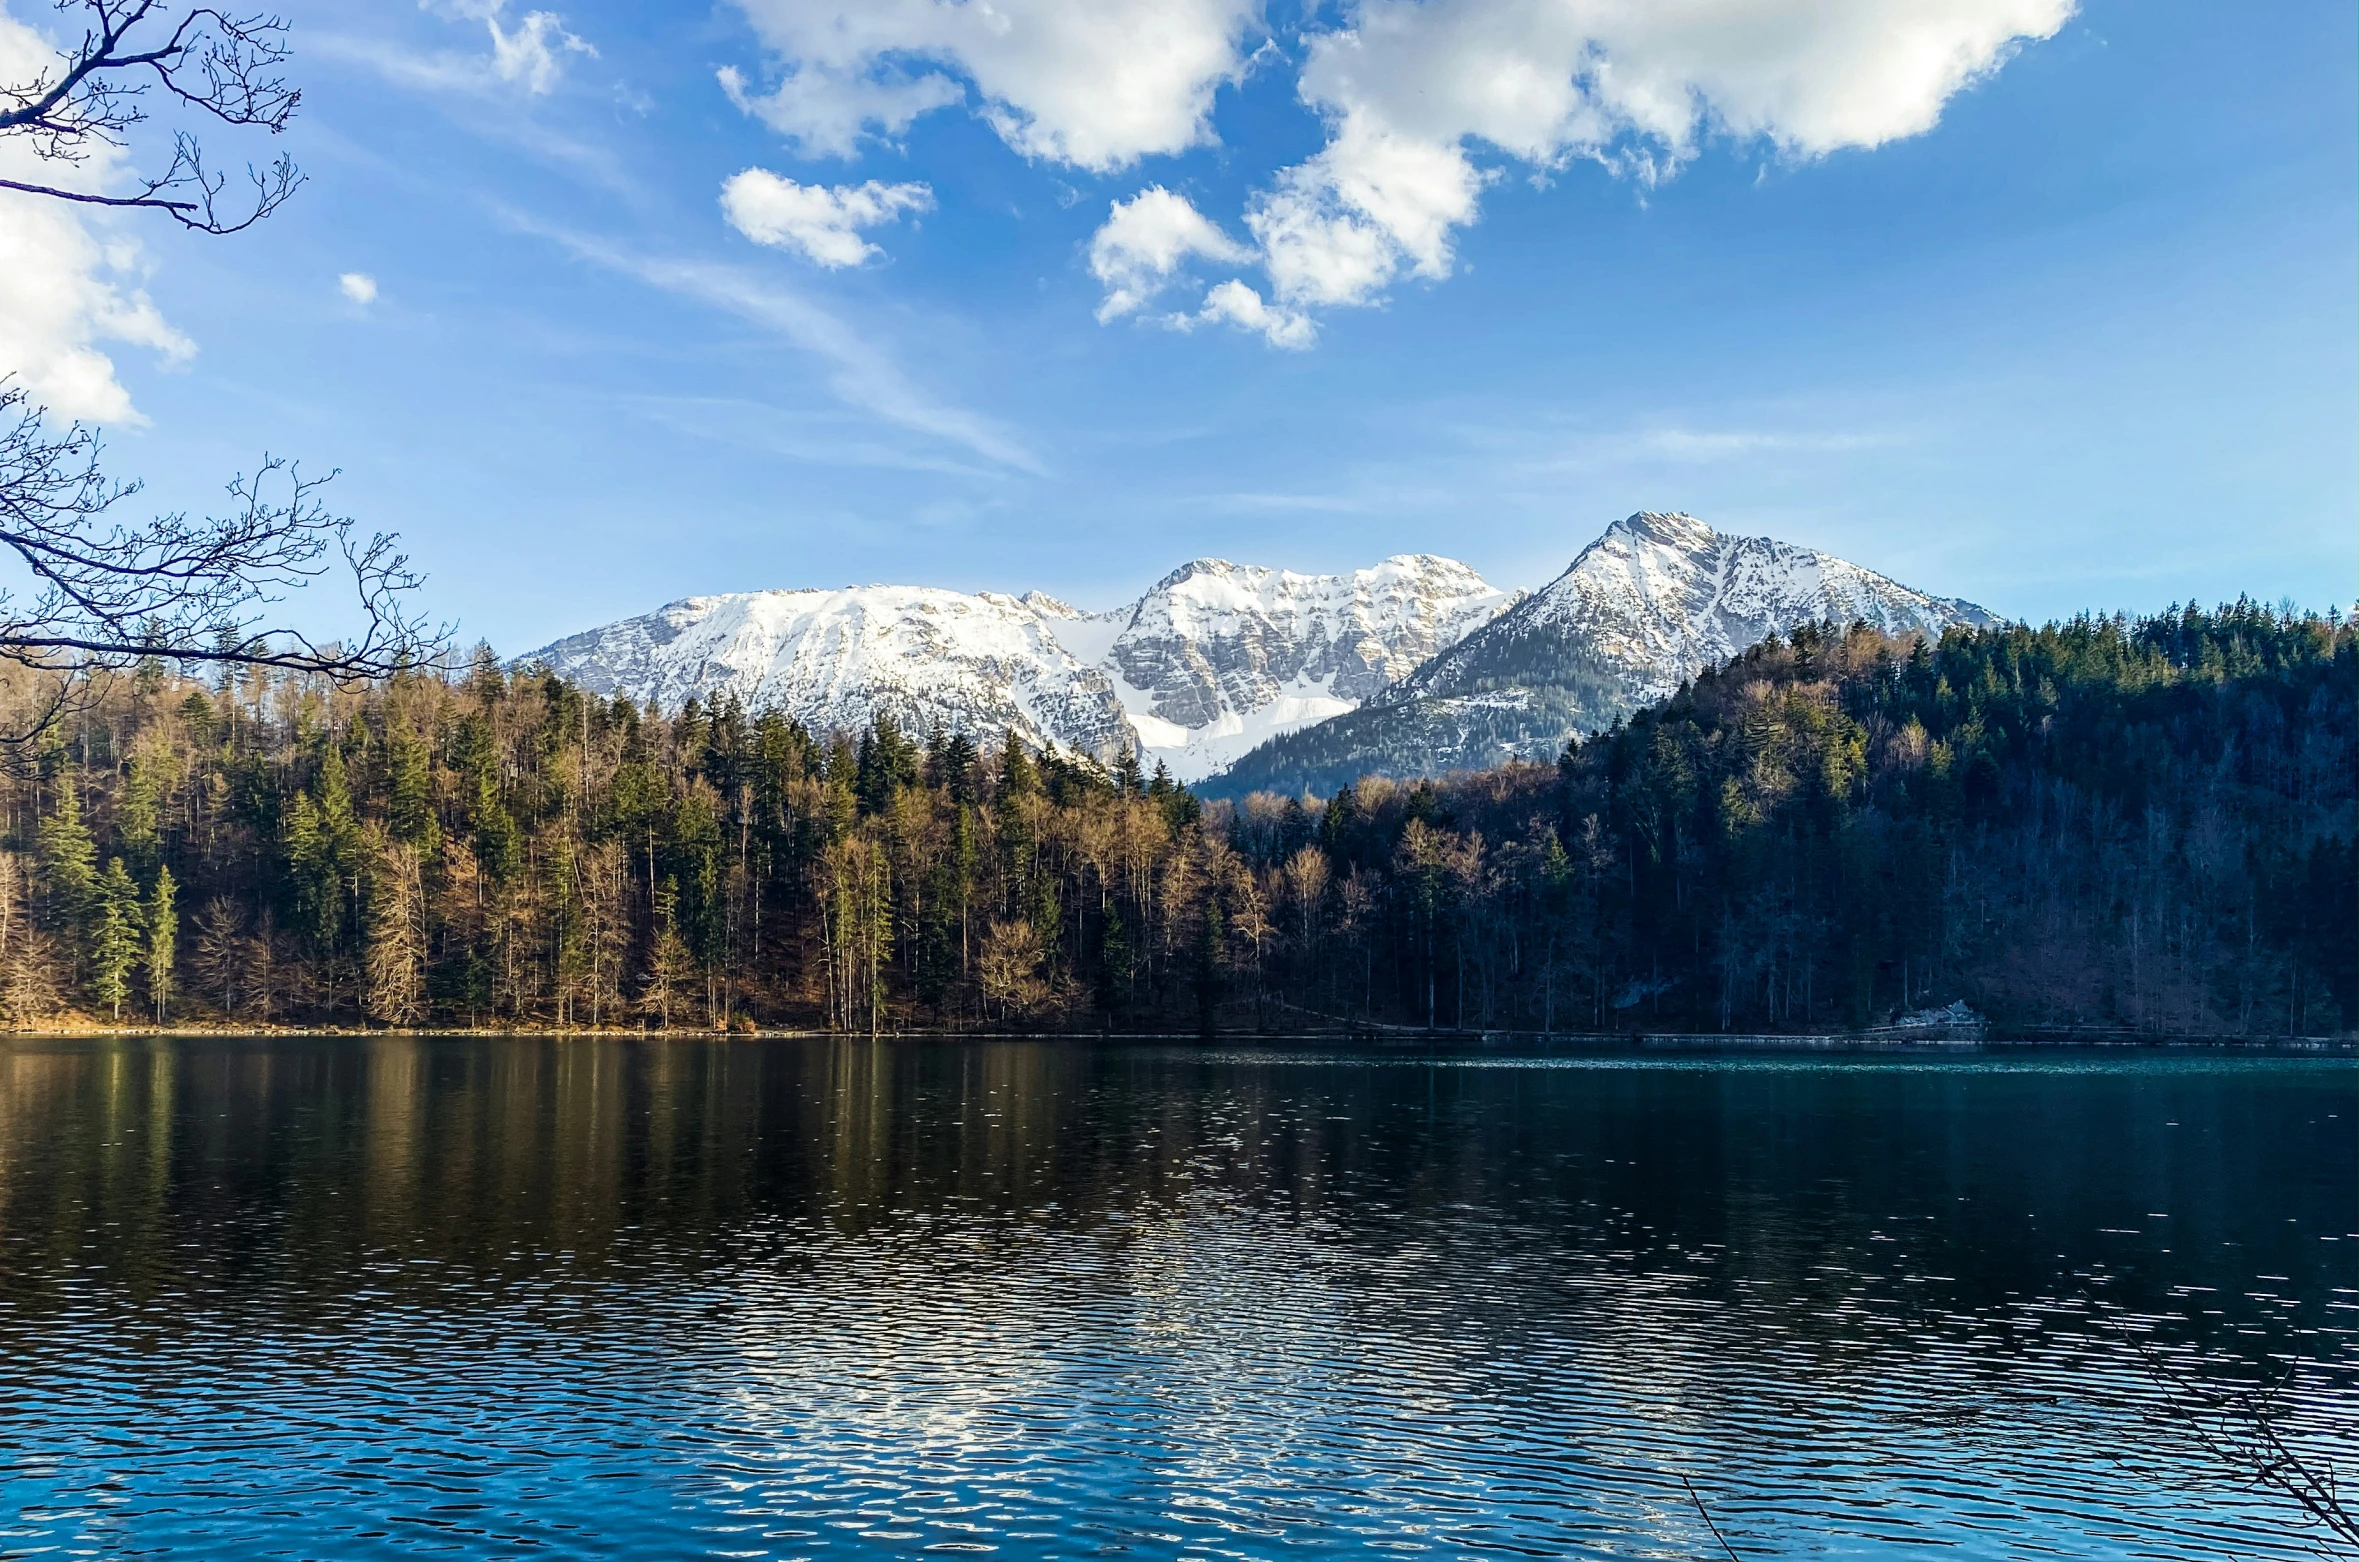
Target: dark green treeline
point(2135, 823)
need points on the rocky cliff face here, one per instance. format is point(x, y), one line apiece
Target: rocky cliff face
point(1213, 660)
point(1655, 600)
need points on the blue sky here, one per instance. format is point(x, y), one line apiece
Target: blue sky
point(2043, 307)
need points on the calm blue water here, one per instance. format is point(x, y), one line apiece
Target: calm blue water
point(352, 1299)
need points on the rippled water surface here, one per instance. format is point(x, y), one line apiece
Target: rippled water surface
point(474, 1298)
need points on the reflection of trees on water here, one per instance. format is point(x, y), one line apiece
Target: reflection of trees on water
point(1626, 1272)
point(1786, 1185)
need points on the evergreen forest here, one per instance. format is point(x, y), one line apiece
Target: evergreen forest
point(2141, 825)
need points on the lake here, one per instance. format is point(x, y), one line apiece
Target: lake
point(352, 1298)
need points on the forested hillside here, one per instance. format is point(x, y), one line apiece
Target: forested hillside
point(2146, 824)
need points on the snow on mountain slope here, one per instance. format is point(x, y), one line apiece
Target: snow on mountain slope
point(1216, 658)
point(982, 664)
point(1655, 600)
point(1219, 657)
point(1664, 596)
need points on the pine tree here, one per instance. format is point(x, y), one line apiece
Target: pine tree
point(1018, 776)
point(311, 867)
point(669, 964)
point(324, 854)
point(409, 783)
point(163, 933)
point(135, 812)
point(68, 858)
point(114, 937)
point(1211, 936)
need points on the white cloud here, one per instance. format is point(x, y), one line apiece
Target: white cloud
point(1232, 301)
point(67, 284)
point(1372, 204)
point(1144, 243)
point(826, 112)
point(1409, 85)
point(1414, 91)
point(1094, 83)
point(358, 286)
point(530, 55)
point(820, 221)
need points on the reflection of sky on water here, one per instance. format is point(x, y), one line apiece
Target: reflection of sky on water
point(750, 1301)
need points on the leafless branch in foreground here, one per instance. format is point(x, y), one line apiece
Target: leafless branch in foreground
point(221, 66)
point(182, 590)
point(2238, 1425)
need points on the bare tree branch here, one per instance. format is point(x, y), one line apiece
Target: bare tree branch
point(183, 590)
point(1705, 1514)
point(221, 66)
point(2238, 1426)
point(104, 594)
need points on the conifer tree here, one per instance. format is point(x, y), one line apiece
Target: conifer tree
point(1211, 936)
point(1018, 777)
point(324, 853)
point(114, 937)
point(135, 812)
point(311, 868)
point(163, 934)
point(68, 858)
point(409, 785)
point(669, 963)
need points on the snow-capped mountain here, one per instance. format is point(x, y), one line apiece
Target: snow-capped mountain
point(1654, 601)
point(1219, 657)
point(1215, 659)
point(980, 664)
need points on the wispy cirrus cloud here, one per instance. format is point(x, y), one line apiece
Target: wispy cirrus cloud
point(1678, 445)
point(1284, 503)
point(861, 374)
point(527, 56)
point(835, 439)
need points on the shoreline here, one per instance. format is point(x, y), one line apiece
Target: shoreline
point(1384, 1039)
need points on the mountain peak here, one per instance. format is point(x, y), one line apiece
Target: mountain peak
point(1195, 567)
point(1215, 658)
point(1655, 600)
point(1672, 528)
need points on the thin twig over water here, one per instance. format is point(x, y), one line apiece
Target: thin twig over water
point(2238, 1427)
point(1706, 1515)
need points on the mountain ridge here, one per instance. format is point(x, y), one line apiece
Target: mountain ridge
point(1658, 597)
point(1241, 677)
point(1210, 661)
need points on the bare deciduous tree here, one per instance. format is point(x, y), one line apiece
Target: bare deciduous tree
point(394, 968)
point(177, 588)
point(205, 62)
point(105, 593)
